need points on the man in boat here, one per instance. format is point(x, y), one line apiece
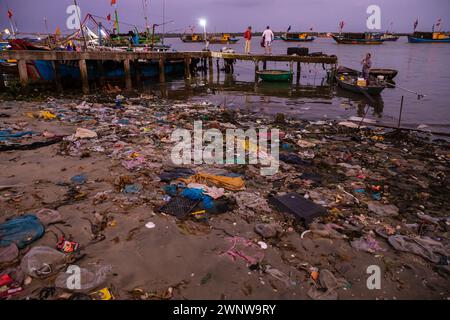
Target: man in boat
point(268, 37)
point(367, 64)
point(248, 38)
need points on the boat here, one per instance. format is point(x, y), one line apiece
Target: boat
point(429, 37)
point(224, 38)
point(297, 37)
point(350, 83)
point(275, 75)
point(388, 74)
point(192, 38)
point(389, 37)
point(43, 70)
point(357, 38)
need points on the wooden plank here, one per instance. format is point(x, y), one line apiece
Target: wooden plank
point(126, 68)
point(23, 74)
point(84, 76)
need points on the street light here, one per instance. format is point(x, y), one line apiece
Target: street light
point(202, 23)
point(7, 31)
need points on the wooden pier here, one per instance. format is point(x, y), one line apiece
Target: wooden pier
point(57, 57)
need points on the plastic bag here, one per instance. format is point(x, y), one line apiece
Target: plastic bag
point(91, 277)
point(9, 253)
point(41, 262)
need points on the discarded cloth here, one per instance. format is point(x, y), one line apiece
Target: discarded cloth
point(22, 231)
point(229, 183)
point(421, 246)
point(198, 194)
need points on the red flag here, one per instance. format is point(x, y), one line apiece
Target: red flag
point(113, 2)
point(10, 14)
point(108, 17)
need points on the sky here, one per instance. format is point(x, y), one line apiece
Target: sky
point(234, 15)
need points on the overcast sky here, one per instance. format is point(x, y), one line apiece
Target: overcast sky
point(235, 15)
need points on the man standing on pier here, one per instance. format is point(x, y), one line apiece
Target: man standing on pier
point(268, 37)
point(248, 40)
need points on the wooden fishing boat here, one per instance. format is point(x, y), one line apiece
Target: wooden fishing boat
point(297, 37)
point(349, 82)
point(357, 38)
point(225, 39)
point(275, 75)
point(388, 74)
point(389, 37)
point(429, 37)
point(192, 38)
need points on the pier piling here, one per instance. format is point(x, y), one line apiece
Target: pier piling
point(162, 75)
point(84, 76)
point(22, 64)
point(126, 68)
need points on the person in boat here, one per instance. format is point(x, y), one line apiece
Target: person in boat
point(248, 39)
point(268, 37)
point(367, 64)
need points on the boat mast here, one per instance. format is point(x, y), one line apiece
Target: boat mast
point(145, 8)
point(163, 22)
point(81, 26)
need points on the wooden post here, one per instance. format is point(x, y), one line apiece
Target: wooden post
point(264, 65)
point(187, 67)
point(57, 75)
point(101, 72)
point(211, 69)
point(23, 74)
point(291, 68)
point(256, 70)
point(298, 72)
point(84, 76)
point(126, 68)
point(218, 66)
point(138, 70)
point(162, 75)
point(400, 114)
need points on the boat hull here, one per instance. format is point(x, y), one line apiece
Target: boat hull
point(275, 75)
point(421, 40)
point(357, 41)
point(371, 90)
point(298, 39)
point(43, 70)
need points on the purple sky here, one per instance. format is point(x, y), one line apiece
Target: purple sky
point(235, 15)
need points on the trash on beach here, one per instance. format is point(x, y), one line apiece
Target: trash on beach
point(21, 230)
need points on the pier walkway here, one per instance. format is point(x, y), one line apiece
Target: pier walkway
point(58, 57)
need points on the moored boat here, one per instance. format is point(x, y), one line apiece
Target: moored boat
point(389, 37)
point(357, 38)
point(297, 37)
point(429, 37)
point(275, 75)
point(388, 74)
point(350, 83)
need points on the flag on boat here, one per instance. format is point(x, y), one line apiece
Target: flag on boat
point(108, 17)
point(288, 29)
point(438, 24)
point(10, 14)
point(341, 25)
point(416, 23)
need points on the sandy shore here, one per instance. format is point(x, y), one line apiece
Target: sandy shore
point(188, 259)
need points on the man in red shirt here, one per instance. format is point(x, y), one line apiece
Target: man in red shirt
point(248, 39)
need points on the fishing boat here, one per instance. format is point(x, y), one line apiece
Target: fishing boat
point(429, 37)
point(225, 38)
point(357, 38)
point(297, 37)
point(192, 38)
point(389, 37)
point(275, 75)
point(387, 74)
point(42, 70)
point(352, 83)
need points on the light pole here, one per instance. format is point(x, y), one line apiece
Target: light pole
point(202, 23)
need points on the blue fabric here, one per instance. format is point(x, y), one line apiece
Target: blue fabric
point(5, 135)
point(22, 231)
point(198, 194)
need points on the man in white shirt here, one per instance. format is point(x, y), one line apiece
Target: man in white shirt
point(268, 37)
